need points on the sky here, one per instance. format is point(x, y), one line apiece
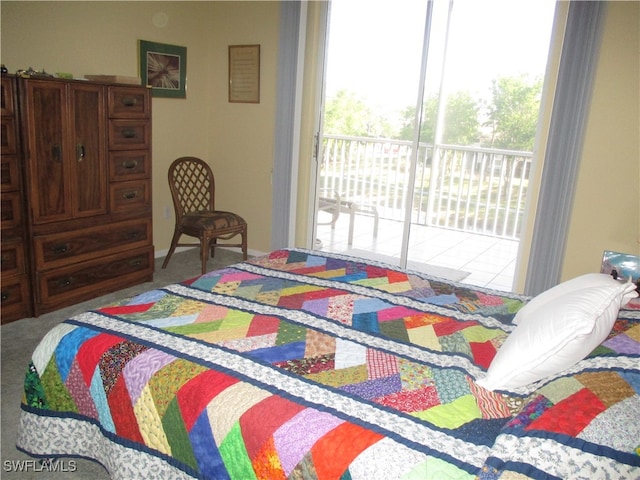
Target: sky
point(375, 46)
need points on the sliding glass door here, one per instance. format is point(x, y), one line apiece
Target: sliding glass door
point(371, 95)
point(429, 119)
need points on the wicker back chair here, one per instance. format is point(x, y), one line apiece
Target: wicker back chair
point(192, 187)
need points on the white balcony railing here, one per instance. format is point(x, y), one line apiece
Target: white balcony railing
point(471, 189)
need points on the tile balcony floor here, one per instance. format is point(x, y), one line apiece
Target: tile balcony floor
point(490, 261)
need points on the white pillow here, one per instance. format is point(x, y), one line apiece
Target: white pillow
point(579, 283)
point(561, 328)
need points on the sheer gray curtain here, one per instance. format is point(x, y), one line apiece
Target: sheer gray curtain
point(285, 133)
point(564, 148)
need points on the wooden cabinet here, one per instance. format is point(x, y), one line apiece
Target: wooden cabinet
point(87, 158)
point(16, 285)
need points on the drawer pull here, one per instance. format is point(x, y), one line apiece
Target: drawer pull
point(4, 296)
point(80, 152)
point(130, 164)
point(129, 133)
point(65, 282)
point(132, 235)
point(130, 195)
point(129, 101)
point(136, 262)
point(60, 249)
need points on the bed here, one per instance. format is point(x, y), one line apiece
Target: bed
point(302, 364)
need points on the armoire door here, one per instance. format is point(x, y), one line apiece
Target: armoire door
point(47, 144)
point(66, 137)
point(88, 158)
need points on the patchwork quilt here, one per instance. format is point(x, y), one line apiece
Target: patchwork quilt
point(306, 365)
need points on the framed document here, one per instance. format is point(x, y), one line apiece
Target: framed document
point(244, 73)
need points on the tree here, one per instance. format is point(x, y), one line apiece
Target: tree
point(461, 126)
point(513, 113)
point(427, 125)
point(511, 116)
point(346, 114)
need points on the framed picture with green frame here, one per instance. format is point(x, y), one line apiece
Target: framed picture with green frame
point(163, 67)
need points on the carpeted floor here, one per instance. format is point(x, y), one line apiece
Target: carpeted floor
point(20, 338)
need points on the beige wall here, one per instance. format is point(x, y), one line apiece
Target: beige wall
point(102, 38)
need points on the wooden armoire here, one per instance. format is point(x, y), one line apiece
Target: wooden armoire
point(85, 158)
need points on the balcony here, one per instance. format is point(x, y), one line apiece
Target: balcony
point(467, 205)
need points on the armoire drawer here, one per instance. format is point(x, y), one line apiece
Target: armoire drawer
point(10, 175)
point(96, 277)
point(126, 102)
point(12, 262)
point(60, 249)
point(129, 134)
point(126, 196)
point(129, 165)
point(8, 143)
point(10, 210)
point(16, 298)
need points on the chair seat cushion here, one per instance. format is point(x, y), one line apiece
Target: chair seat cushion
point(216, 220)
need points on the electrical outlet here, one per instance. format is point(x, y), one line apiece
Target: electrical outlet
point(167, 212)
